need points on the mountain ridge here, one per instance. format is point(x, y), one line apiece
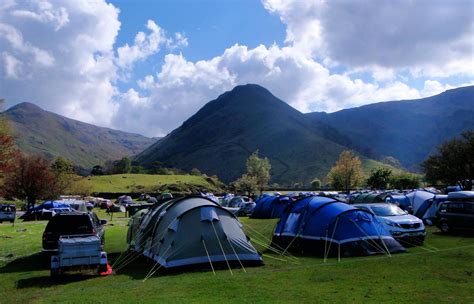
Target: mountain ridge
point(37, 131)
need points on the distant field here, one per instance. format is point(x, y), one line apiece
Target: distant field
point(126, 182)
point(442, 271)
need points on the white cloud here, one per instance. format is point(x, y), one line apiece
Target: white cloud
point(59, 54)
point(418, 35)
point(143, 47)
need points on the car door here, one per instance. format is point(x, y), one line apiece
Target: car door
point(455, 214)
point(468, 221)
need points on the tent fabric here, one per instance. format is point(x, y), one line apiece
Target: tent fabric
point(420, 201)
point(433, 207)
point(311, 223)
point(191, 230)
point(269, 206)
point(51, 204)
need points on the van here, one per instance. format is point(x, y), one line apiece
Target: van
point(456, 214)
point(7, 213)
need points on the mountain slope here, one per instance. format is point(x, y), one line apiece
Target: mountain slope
point(408, 130)
point(37, 131)
point(221, 135)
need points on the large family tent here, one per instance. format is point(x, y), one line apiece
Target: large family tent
point(188, 231)
point(421, 201)
point(269, 206)
point(327, 226)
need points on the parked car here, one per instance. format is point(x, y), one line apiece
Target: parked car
point(7, 213)
point(404, 227)
point(72, 224)
point(244, 203)
point(457, 212)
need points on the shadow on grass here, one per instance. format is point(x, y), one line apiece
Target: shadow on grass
point(41, 262)
point(37, 261)
point(47, 281)
point(457, 233)
point(140, 268)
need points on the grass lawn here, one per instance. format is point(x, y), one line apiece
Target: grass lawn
point(442, 271)
point(126, 182)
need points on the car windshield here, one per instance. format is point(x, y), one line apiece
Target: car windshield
point(69, 224)
point(388, 210)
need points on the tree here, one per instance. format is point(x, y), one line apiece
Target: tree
point(316, 183)
point(196, 172)
point(259, 169)
point(97, 170)
point(31, 179)
point(452, 162)
point(379, 178)
point(63, 170)
point(7, 146)
point(246, 184)
point(405, 181)
point(347, 173)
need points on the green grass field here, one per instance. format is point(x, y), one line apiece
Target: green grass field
point(126, 182)
point(441, 271)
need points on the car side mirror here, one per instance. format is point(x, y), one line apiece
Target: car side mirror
point(103, 222)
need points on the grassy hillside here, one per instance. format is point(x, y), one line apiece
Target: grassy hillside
point(37, 131)
point(408, 130)
point(440, 272)
point(129, 182)
point(220, 137)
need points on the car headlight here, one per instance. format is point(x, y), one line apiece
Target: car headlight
point(390, 223)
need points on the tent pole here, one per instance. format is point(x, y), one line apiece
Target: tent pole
point(238, 259)
point(222, 248)
point(210, 262)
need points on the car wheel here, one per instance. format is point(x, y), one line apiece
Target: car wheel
point(445, 227)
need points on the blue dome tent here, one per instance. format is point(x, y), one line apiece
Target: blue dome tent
point(327, 226)
point(270, 206)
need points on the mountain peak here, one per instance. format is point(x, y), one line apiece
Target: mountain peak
point(25, 106)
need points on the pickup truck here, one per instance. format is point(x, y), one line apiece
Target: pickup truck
point(78, 251)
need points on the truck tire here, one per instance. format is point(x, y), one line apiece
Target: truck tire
point(55, 272)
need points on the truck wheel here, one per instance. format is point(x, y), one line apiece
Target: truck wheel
point(445, 227)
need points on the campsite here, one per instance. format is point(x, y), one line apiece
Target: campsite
point(440, 270)
point(237, 151)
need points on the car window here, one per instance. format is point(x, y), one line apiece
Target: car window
point(456, 207)
point(469, 208)
point(387, 210)
point(69, 224)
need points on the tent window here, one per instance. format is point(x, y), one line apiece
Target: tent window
point(209, 214)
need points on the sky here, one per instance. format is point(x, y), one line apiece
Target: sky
point(145, 66)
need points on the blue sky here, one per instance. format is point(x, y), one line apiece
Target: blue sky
point(147, 66)
point(210, 27)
